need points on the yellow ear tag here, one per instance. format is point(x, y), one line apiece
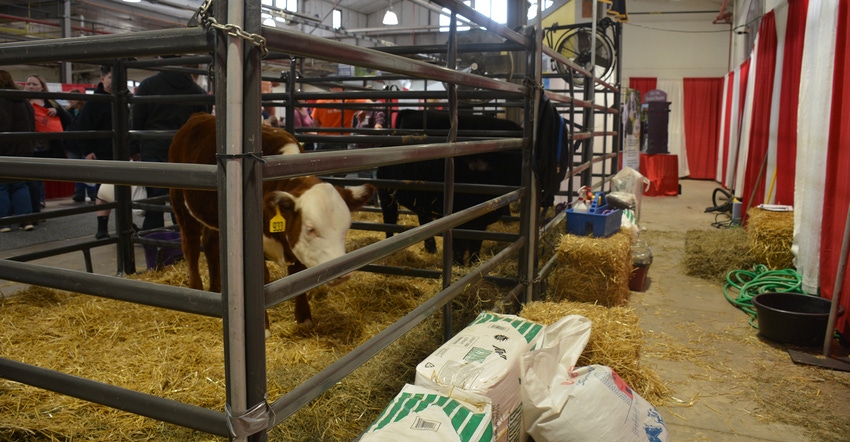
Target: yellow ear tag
point(277, 223)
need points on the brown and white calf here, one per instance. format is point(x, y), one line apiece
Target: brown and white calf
point(317, 214)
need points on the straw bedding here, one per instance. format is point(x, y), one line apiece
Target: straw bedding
point(180, 356)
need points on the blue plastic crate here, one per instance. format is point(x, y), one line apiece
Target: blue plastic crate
point(599, 220)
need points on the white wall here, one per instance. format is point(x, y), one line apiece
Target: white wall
point(671, 45)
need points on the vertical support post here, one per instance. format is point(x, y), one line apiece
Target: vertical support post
point(65, 66)
point(252, 260)
point(291, 87)
point(530, 204)
point(589, 114)
point(233, 372)
point(449, 174)
point(121, 152)
point(245, 370)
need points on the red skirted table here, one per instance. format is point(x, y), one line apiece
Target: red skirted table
point(663, 173)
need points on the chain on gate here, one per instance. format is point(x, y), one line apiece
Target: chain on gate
point(208, 21)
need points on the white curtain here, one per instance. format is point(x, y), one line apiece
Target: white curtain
point(676, 125)
point(781, 15)
point(812, 137)
point(734, 134)
point(724, 131)
point(743, 144)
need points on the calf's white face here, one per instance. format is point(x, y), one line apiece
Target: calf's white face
point(325, 220)
point(317, 229)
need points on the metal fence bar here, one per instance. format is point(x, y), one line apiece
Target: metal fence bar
point(105, 47)
point(327, 378)
point(299, 44)
point(171, 297)
point(289, 287)
point(132, 401)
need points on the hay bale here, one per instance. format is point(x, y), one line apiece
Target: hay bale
point(595, 270)
point(770, 235)
point(711, 254)
point(615, 341)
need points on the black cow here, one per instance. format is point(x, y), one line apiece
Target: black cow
point(499, 168)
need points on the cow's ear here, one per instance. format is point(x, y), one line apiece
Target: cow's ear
point(355, 197)
point(291, 149)
point(283, 200)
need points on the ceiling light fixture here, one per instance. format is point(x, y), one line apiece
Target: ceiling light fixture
point(390, 18)
point(132, 1)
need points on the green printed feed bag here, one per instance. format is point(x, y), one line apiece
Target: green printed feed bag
point(420, 414)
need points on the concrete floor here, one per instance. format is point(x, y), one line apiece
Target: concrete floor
point(715, 390)
point(720, 395)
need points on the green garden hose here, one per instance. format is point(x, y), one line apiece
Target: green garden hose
point(749, 283)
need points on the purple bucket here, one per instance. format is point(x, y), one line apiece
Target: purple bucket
point(158, 256)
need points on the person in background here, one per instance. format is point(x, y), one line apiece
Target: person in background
point(373, 118)
point(333, 118)
point(97, 115)
point(301, 118)
point(49, 117)
point(73, 148)
point(16, 115)
point(162, 116)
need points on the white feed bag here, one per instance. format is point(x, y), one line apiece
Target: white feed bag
point(562, 403)
point(484, 359)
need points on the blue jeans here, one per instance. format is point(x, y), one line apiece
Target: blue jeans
point(14, 199)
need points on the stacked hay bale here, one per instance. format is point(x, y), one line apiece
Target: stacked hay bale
point(770, 235)
point(615, 341)
point(593, 269)
point(711, 254)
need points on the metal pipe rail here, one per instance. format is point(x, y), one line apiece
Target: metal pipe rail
point(166, 410)
point(301, 395)
point(180, 299)
point(288, 166)
point(291, 286)
point(298, 44)
point(106, 47)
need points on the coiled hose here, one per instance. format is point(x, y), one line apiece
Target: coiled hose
point(749, 283)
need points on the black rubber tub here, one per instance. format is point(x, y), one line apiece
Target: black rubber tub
point(793, 318)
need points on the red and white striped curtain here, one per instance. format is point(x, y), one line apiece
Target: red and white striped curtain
point(837, 189)
point(782, 140)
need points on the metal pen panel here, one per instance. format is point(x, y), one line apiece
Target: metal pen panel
point(105, 47)
point(299, 44)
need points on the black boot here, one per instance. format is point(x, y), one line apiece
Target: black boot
point(102, 227)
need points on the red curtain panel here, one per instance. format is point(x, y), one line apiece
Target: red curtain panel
point(703, 99)
point(754, 189)
point(837, 197)
point(643, 84)
point(786, 140)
